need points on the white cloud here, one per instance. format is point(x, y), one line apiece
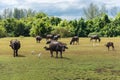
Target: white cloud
point(48, 1)
point(71, 8)
point(8, 2)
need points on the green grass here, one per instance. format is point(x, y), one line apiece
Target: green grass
point(86, 61)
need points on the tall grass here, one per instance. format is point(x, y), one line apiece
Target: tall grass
point(86, 61)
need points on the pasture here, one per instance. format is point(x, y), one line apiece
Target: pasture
point(86, 61)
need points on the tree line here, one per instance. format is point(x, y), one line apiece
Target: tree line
point(22, 22)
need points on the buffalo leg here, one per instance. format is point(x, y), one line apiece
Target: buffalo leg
point(51, 52)
point(113, 47)
point(56, 54)
point(61, 54)
point(108, 48)
point(14, 53)
point(77, 42)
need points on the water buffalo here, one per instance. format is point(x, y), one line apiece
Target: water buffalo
point(38, 39)
point(49, 36)
point(74, 39)
point(15, 45)
point(110, 44)
point(56, 37)
point(57, 47)
point(95, 37)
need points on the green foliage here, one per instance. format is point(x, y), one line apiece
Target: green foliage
point(29, 23)
point(40, 28)
point(64, 29)
point(93, 33)
point(40, 15)
point(55, 20)
point(3, 32)
point(64, 32)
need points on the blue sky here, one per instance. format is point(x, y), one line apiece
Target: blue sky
point(68, 9)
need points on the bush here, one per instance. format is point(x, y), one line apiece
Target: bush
point(93, 33)
point(62, 31)
point(3, 32)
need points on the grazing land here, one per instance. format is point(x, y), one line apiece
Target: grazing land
point(86, 61)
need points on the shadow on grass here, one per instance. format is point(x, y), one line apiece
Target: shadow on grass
point(63, 58)
point(21, 56)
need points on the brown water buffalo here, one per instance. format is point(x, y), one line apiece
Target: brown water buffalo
point(38, 39)
point(95, 37)
point(15, 45)
point(74, 39)
point(57, 47)
point(110, 44)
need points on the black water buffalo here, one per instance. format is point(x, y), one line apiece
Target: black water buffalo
point(74, 39)
point(57, 47)
point(38, 39)
point(15, 45)
point(56, 37)
point(49, 36)
point(110, 44)
point(95, 37)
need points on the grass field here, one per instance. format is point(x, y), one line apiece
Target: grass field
point(86, 61)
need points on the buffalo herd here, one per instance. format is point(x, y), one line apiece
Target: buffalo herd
point(55, 45)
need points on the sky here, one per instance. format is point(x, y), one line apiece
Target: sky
point(67, 9)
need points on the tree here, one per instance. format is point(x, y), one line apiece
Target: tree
point(9, 25)
point(3, 32)
point(19, 29)
point(55, 20)
point(40, 15)
point(40, 28)
point(91, 12)
point(30, 13)
point(16, 13)
point(5, 13)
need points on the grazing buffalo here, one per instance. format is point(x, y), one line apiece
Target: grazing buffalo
point(57, 47)
point(38, 39)
point(49, 36)
point(74, 39)
point(109, 44)
point(56, 37)
point(15, 45)
point(95, 37)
